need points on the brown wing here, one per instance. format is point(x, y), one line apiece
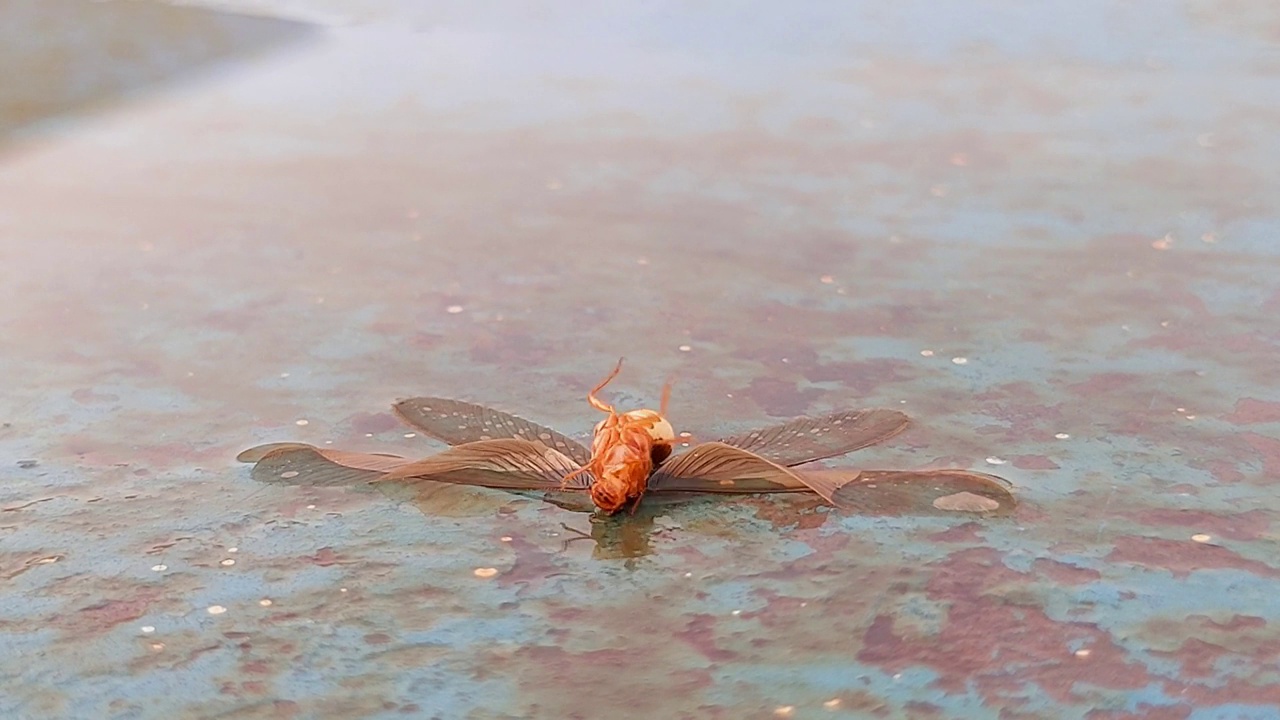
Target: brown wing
point(508, 463)
point(715, 467)
point(805, 439)
point(301, 464)
point(927, 492)
point(455, 422)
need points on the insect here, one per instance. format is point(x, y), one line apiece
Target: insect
point(633, 454)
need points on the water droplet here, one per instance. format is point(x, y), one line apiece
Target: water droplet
point(301, 422)
point(1083, 652)
point(228, 562)
point(993, 460)
point(453, 309)
point(1202, 538)
point(159, 568)
point(960, 360)
point(233, 549)
point(1062, 436)
point(506, 538)
point(289, 474)
point(411, 435)
point(485, 572)
point(148, 629)
point(685, 348)
point(831, 704)
point(1163, 243)
point(265, 602)
point(826, 279)
point(965, 502)
point(216, 609)
point(927, 353)
point(785, 711)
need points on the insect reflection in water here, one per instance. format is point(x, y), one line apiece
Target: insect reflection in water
point(633, 456)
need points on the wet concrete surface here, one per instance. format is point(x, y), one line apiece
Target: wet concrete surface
point(1050, 235)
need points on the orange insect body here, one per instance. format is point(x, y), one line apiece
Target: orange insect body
point(625, 449)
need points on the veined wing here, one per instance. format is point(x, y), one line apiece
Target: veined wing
point(806, 439)
point(716, 467)
point(508, 463)
point(927, 492)
point(455, 422)
point(302, 464)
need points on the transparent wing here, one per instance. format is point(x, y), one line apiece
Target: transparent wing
point(805, 439)
point(926, 492)
point(508, 464)
point(455, 422)
point(715, 467)
point(302, 464)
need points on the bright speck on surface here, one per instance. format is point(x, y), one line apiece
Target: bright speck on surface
point(157, 646)
point(228, 562)
point(1191, 417)
point(342, 590)
point(1202, 538)
point(1163, 243)
point(289, 474)
point(993, 460)
point(486, 572)
point(736, 612)
point(264, 602)
point(1062, 436)
point(686, 434)
point(1209, 238)
point(960, 360)
point(685, 348)
point(159, 568)
point(453, 309)
point(505, 538)
point(1083, 653)
point(411, 435)
point(148, 629)
point(826, 279)
point(216, 609)
point(642, 261)
point(284, 375)
point(311, 507)
point(300, 423)
point(831, 704)
point(785, 711)
point(927, 353)
point(233, 549)
point(688, 574)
